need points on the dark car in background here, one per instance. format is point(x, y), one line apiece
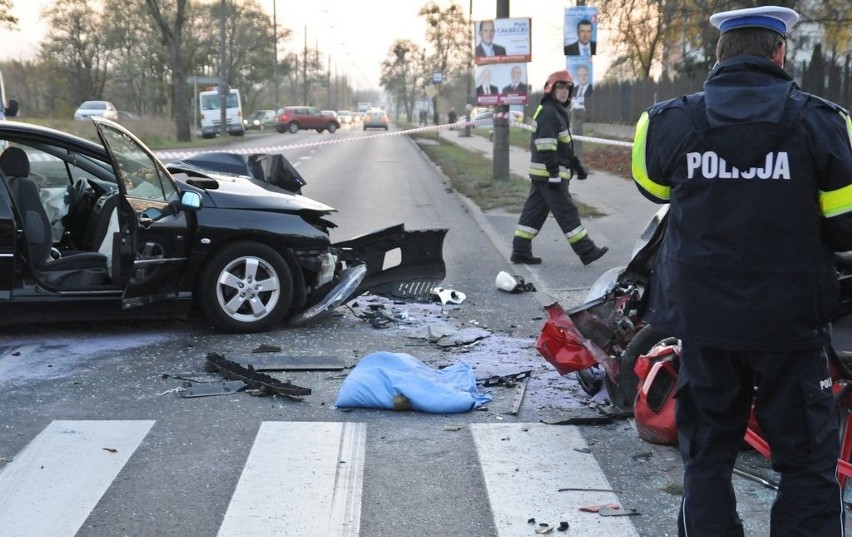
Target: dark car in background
point(295, 118)
point(259, 120)
point(103, 231)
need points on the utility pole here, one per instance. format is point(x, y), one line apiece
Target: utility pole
point(501, 120)
point(223, 74)
point(470, 98)
point(305, 71)
point(275, 64)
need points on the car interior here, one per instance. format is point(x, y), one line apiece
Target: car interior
point(65, 227)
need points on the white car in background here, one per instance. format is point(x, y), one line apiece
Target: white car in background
point(96, 108)
point(344, 117)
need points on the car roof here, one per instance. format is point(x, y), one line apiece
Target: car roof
point(27, 132)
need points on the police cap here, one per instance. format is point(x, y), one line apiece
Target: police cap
point(779, 19)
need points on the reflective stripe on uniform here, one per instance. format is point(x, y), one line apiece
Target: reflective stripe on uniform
point(564, 136)
point(526, 232)
point(538, 169)
point(640, 170)
point(836, 202)
point(545, 144)
point(576, 234)
point(565, 172)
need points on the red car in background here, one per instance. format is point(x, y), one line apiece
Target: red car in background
point(294, 118)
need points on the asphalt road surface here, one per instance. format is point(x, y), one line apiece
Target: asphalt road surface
point(96, 439)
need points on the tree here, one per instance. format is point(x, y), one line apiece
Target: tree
point(6, 18)
point(76, 47)
point(170, 20)
point(139, 72)
point(447, 33)
point(402, 74)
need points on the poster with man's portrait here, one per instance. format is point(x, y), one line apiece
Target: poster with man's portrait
point(503, 83)
point(581, 31)
point(582, 73)
point(502, 41)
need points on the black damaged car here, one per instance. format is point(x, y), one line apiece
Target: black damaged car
point(94, 231)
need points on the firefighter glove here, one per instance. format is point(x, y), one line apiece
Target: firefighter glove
point(579, 169)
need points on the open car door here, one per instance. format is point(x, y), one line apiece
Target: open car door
point(153, 236)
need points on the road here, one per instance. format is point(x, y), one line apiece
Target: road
point(96, 441)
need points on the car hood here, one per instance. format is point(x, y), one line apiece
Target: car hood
point(240, 192)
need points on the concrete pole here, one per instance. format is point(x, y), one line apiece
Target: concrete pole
point(275, 45)
point(501, 121)
point(223, 74)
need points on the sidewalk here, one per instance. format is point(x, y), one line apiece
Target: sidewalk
point(561, 275)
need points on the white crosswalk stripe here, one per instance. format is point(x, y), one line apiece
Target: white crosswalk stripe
point(305, 478)
point(53, 484)
point(284, 492)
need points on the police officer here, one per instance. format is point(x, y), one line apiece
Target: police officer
point(552, 165)
point(759, 178)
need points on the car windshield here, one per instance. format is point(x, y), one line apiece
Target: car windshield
point(211, 101)
point(93, 105)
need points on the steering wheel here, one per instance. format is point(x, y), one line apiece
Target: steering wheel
point(77, 191)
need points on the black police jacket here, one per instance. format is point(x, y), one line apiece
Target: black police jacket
point(759, 177)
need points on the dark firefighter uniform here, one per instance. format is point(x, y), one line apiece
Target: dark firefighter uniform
point(760, 193)
point(552, 165)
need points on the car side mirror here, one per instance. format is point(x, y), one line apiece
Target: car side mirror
point(190, 201)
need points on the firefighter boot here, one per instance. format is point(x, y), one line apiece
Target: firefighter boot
point(588, 251)
point(522, 252)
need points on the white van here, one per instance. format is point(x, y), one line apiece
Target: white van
point(211, 116)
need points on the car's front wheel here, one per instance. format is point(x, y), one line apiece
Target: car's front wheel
point(246, 287)
point(293, 127)
point(331, 128)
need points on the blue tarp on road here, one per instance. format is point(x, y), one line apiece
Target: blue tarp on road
point(382, 376)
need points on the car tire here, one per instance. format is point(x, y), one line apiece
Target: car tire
point(245, 287)
point(332, 128)
point(282, 130)
point(624, 393)
point(293, 127)
point(319, 130)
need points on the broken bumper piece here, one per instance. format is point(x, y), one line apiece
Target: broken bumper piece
point(349, 281)
point(255, 380)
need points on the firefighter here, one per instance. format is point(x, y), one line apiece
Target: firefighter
point(552, 165)
point(758, 175)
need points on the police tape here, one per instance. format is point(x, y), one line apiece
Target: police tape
point(280, 148)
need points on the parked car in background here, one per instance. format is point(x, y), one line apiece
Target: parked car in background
point(294, 118)
point(105, 231)
point(331, 113)
point(259, 120)
point(344, 117)
point(96, 109)
point(376, 119)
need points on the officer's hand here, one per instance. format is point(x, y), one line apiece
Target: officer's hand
point(554, 182)
point(580, 170)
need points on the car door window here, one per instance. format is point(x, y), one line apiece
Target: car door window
point(141, 174)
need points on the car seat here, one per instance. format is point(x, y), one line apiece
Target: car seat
point(14, 164)
point(77, 270)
